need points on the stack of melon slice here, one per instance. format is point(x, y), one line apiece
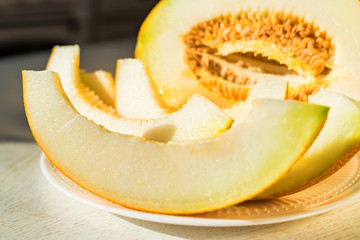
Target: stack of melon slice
point(120, 140)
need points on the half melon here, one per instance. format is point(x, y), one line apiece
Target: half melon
point(227, 46)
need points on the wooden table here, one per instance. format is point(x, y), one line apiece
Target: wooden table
point(31, 208)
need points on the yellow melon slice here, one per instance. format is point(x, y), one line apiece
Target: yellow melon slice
point(336, 144)
point(188, 177)
point(136, 95)
point(199, 118)
point(266, 88)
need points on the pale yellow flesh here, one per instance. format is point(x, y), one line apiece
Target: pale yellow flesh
point(102, 83)
point(266, 88)
point(136, 96)
point(190, 177)
point(199, 118)
point(160, 43)
point(340, 134)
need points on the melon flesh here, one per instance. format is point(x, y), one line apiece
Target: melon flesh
point(198, 118)
point(136, 95)
point(102, 83)
point(267, 88)
point(338, 141)
point(164, 46)
point(188, 177)
point(161, 45)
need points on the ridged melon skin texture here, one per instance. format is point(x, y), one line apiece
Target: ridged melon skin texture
point(189, 177)
point(160, 43)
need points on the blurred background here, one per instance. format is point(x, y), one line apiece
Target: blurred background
point(106, 30)
point(30, 25)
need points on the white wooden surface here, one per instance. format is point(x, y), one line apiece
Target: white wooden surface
point(31, 208)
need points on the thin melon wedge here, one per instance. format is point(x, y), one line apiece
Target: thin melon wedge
point(267, 88)
point(188, 177)
point(199, 118)
point(337, 143)
point(136, 95)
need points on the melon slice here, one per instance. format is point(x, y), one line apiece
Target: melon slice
point(338, 142)
point(200, 118)
point(227, 46)
point(136, 96)
point(188, 177)
point(266, 88)
point(102, 83)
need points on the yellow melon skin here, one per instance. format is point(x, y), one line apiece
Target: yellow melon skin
point(188, 177)
point(161, 47)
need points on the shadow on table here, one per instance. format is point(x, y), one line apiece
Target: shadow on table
point(278, 231)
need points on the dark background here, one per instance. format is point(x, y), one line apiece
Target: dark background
point(106, 30)
point(30, 25)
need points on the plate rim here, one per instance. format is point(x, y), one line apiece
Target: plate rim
point(48, 170)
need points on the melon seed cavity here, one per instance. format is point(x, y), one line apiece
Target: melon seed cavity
point(230, 53)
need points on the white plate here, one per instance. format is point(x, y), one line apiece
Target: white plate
point(335, 191)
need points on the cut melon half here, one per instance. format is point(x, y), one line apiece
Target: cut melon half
point(188, 177)
point(227, 46)
point(199, 118)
